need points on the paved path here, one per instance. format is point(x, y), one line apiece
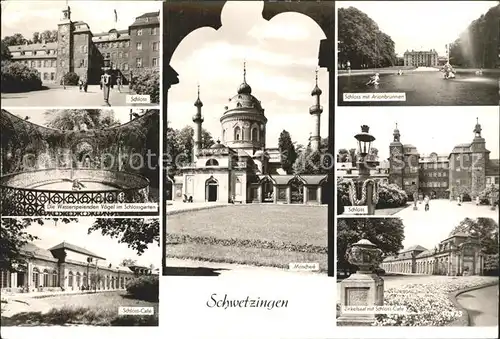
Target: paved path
point(57, 96)
point(179, 206)
point(203, 268)
point(482, 305)
point(429, 228)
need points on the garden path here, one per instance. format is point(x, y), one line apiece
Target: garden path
point(482, 306)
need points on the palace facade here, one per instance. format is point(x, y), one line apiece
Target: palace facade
point(66, 267)
point(460, 254)
point(466, 171)
point(87, 54)
point(240, 168)
point(421, 58)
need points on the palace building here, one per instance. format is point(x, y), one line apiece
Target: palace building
point(421, 58)
point(240, 168)
point(66, 267)
point(467, 170)
point(78, 50)
point(460, 254)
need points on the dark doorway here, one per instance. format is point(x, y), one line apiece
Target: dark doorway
point(212, 188)
point(267, 191)
point(296, 191)
point(169, 190)
point(326, 193)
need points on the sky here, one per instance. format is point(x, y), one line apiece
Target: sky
point(429, 128)
point(38, 117)
point(422, 25)
point(281, 58)
point(26, 17)
point(75, 233)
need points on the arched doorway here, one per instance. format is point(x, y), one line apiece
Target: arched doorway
point(267, 190)
point(211, 189)
point(296, 191)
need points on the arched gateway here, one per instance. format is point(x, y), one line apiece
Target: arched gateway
point(211, 189)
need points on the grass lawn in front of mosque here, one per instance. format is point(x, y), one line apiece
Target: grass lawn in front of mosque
point(252, 234)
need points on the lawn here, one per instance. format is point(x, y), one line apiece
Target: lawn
point(99, 309)
point(259, 235)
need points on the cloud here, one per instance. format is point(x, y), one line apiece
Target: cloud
point(282, 31)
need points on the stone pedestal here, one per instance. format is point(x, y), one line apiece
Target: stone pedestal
point(360, 289)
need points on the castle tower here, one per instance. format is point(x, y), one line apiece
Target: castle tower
point(479, 160)
point(396, 160)
point(198, 120)
point(64, 45)
point(315, 111)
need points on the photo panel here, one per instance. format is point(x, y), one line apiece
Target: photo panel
point(74, 162)
point(80, 271)
point(71, 54)
point(388, 57)
point(247, 137)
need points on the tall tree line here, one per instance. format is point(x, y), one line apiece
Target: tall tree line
point(479, 45)
point(361, 42)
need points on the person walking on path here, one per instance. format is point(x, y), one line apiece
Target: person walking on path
point(426, 202)
point(477, 200)
point(119, 83)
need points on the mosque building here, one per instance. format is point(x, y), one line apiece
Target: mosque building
point(240, 168)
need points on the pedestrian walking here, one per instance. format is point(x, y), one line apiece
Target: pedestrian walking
point(80, 85)
point(85, 85)
point(101, 81)
point(119, 83)
point(477, 200)
point(426, 202)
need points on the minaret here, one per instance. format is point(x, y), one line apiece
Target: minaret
point(316, 111)
point(197, 119)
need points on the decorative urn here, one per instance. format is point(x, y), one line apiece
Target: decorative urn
point(365, 255)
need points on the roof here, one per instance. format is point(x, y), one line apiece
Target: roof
point(74, 248)
point(32, 249)
point(414, 248)
point(425, 253)
point(461, 148)
point(151, 18)
point(149, 15)
point(313, 179)
point(33, 47)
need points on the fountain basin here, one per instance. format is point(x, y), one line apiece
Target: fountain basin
point(26, 193)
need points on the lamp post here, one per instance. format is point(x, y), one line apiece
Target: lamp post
point(364, 288)
point(367, 185)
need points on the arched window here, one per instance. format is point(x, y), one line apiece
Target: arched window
point(70, 279)
point(255, 134)
point(36, 277)
point(54, 279)
point(46, 278)
point(237, 133)
point(212, 162)
point(78, 276)
point(223, 135)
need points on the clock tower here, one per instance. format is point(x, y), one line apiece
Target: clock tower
point(396, 160)
point(480, 157)
point(64, 45)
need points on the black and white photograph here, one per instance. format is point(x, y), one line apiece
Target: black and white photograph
point(441, 272)
point(419, 162)
point(72, 54)
point(247, 138)
point(416, 53)
point(79, 162)
point(80, 272)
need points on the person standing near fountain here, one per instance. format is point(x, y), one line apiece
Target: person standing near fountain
point(373, 80)
point(426, 202)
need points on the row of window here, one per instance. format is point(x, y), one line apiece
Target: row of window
point(238, 135)
point(492, 180)
point(40, 52)
point(115, 44)
point(139, 63)
point(436, 174)
point(435, 184)
point(39, 63)
point(143, 31)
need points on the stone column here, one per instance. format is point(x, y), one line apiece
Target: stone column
point(275, 194)
point(29, 278)
point(363, 288)
point(319, 193)
point(288, 195)
point(304, 194)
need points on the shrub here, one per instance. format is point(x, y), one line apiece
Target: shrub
point(147, 82)
point(70, 79)
point(144, 288)
point(390, 195)
point(18, 77)
point(488, 193)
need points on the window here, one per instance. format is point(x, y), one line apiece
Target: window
point(4, 279)
point(70, 279)
point(138, 62)
point(54, 63)
point(82, 49)
point(212, 162)
point(125, 67)
point(52, 76)
point(125, 54)
point(126, 44)
point(82, 63)
point(254, 134)
point(39, 63)
point(113, 55)
point(45, 76)
point(156, 46)
point(153, 30)
point(46, 63)
point(138, 46)
point(237, 133)
point(36, 277)
point(312, 194)
point(139, 32)
point(497, 180)
point(155, 62)
point(46, 278)
point(120, 54)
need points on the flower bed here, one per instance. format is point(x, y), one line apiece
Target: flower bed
point(427, 304)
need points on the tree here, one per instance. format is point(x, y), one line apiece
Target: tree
point(14, 238)
point(95, 280)
point(138, 234)
point(353, 157)
point(48, 36)
point(80, 119)
point(15, 40)
point(311, 162)
point(128, 262)
point(361, 42)
point(36, 38)
point(386, 233)
point(287, 151)
point(6, 56)
point(374, 152)
point(486, 229)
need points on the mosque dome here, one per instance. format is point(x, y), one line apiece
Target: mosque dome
point(316, 91)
